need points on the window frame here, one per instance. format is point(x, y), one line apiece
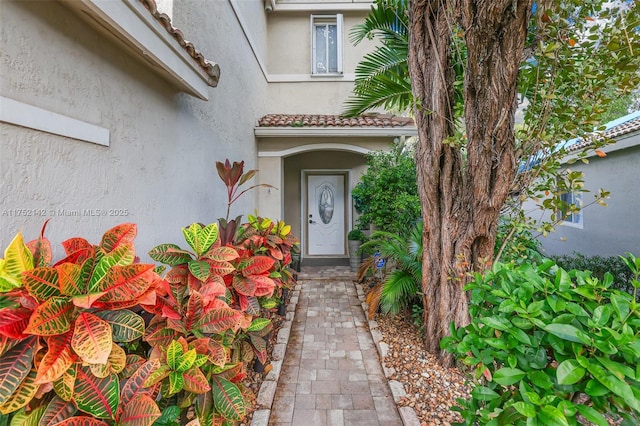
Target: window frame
point(575, 220)
point(338, 20)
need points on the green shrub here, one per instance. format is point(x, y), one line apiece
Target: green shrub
point(356, 235)
point(550, 347)
point(387, 194)
point(599, 266)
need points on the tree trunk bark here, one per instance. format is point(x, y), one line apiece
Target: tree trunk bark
point(461, 196)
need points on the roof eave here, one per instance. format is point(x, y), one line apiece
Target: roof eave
point(380, 132)
point(131, 23)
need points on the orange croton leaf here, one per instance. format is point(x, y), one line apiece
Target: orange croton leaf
point(600, 153)
point(58, 358)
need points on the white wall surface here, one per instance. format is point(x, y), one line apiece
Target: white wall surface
point(158, 170)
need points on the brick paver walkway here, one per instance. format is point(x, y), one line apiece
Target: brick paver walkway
point(331, 373)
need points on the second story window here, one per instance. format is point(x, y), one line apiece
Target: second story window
point(326, 44)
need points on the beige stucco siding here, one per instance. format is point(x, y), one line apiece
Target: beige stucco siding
point(159, 167)
point(610, 230)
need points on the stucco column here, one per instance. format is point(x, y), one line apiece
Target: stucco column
point(270, 200)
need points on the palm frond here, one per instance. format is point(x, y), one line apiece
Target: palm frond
point(382, 92)
point(397, 291)
point(387, 19)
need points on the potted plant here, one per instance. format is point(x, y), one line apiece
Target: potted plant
point(355, 239)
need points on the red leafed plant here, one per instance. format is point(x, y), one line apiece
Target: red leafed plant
point(63, 326)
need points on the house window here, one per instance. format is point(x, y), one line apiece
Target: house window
point(326, 44)
point(568, 214)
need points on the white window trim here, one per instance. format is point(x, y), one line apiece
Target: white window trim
point(339, 29)
point(25, 115)
point(131, 22)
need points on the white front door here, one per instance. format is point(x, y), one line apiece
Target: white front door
point(325, 214)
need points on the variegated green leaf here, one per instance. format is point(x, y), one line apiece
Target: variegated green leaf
point(227, 399)
point(92, 339)
point(17, 259)
point(174, 353)
point(95, 396)
point(199, 269)
point(258, 324)
point(121, 256)
point(207, 236)
point(23, 419)
point(170, 254)
point(22, 395)
point(186, 361)
point(65, 385)
point(15, 365)
point(42, 283)
point(126, 326)
point(157, 334)
point(191, 237)
point(176, 382)
point(157, 375)
point(51, 318)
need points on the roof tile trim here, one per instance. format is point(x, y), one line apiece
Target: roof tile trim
point(314, 121)
point(612, 133)
point(211, 69)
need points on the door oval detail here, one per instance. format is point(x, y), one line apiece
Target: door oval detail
point(326, 204)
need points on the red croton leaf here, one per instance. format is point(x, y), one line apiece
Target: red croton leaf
point(41, 249)
point(13, 322)
point(218, 320)
point(195, 309)
point(51, 318)
point(257, 265)
point(245, 286)
point(117, 236)
point(73, 245)
point(125, 283)
point(264, 285)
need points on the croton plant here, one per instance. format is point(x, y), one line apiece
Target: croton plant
point(98, 339)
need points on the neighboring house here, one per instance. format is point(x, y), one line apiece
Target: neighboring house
point(116, 110)
point(615, 228)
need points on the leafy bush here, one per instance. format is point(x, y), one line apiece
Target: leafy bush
point(387, 194)
point(599, 266)
point(76, 344)
point(64, 328)
point(404, 254)
point(550, 347)
point(356, 235)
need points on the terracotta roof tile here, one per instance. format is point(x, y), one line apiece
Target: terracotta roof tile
point(307, 120)
point(210, 68)
point(619, 130)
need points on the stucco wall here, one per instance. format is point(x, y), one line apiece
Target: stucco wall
point(159, 166)
point(289, 58)
point(610, 230)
